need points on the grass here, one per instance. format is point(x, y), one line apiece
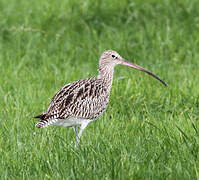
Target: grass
point(147, 132)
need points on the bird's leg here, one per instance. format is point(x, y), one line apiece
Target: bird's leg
point(75, 129)
point(82, 127)
point(76, 135)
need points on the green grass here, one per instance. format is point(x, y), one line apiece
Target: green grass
point(147, 132)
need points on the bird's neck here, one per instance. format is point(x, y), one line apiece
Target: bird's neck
point(106, 74)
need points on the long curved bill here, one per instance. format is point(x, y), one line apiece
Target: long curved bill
point(126, 63)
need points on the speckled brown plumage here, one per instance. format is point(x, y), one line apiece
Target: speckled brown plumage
point(81, 102)
point(86, 99)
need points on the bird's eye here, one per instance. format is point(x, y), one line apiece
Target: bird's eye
point(113, 56)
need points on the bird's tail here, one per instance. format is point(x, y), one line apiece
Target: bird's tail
point(43, 122)
point(41, 116)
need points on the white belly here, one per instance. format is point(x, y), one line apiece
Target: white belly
point(71, 122)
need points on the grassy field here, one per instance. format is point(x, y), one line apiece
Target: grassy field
point(147, 132)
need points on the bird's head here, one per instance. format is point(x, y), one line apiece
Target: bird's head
point(111, 58)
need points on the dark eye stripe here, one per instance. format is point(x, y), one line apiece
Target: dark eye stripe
point(113, 56)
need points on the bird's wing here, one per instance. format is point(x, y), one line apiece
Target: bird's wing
point(83, 99)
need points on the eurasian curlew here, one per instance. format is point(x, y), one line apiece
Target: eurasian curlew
point(81, 102)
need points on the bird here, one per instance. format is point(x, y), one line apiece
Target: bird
point(79, 103)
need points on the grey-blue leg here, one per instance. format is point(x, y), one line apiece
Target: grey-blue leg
point(78, 134)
